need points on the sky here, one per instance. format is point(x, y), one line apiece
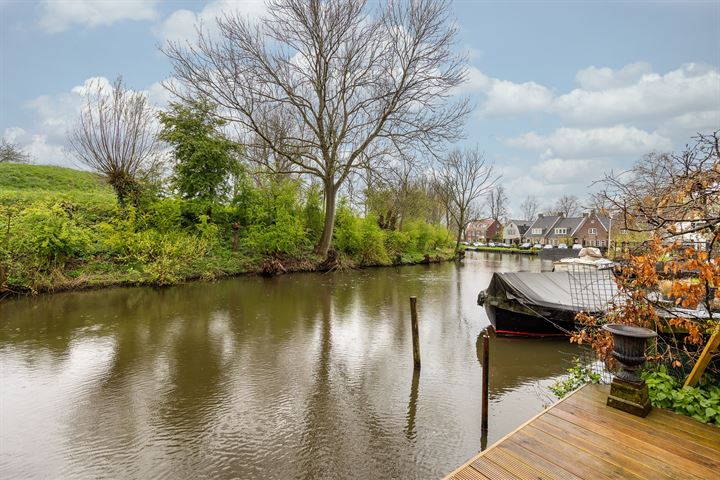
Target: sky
point(563, 90)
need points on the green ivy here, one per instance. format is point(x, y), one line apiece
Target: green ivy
point(701, 402)
point(578, 375)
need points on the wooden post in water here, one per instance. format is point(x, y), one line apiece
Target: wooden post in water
point(415, 332)
point(485, 379)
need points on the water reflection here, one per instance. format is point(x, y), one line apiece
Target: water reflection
point(410, 432)
point(300, 376)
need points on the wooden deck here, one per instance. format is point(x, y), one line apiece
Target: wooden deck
point(582, 438)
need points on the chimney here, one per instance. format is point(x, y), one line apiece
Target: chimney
point(585, 214)
point(540, 215)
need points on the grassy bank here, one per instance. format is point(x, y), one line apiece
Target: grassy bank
point(61, 229)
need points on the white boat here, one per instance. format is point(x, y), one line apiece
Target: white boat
point(589, 257)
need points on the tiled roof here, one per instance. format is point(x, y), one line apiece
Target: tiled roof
point(544, 222)
point(521, 222)
point(571, 223)
point(605, 221)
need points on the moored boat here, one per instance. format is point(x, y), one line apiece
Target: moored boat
point(545, 303)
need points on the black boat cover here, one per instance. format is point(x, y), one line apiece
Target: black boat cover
point(556, 290)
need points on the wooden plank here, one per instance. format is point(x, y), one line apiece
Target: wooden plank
point(699, 368)
point(655, 443)
point(580, 462)
point(580, 437)
point(598, 394)
point(531, 458)
point(555, 453)
point(469, 474)
point(687, 429)
point(491, 470)
point(610, 450)
point(677, 422)
point(516, 465)
point(600, 447)
point(466, 464)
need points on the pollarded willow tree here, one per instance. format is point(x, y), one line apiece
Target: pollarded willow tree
point(351, 82)
point(116, 135)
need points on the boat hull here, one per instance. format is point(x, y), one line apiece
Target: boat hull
point(513, 323)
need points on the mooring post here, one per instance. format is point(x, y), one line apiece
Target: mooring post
point(485, 379)
point(415, 333)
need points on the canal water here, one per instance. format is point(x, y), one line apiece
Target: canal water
point(298, 376)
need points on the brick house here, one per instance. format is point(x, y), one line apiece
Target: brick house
point(593, 231)
point(539, 229)
point(482, 230)
point(563, 231)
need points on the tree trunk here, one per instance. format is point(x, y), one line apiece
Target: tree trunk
point(326, 238)
point(460, 231)
point(120, 195)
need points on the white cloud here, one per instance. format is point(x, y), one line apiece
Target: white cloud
point(630, 94)
point(560, 171)
point(577, 143)
point(593, 78)
point(653, 97)
point(526, 185)
point(158, 95)
point(54, 116)
point(38, 147)
point(60, 15)
point(689, 124)
point(180, 25)
point(504, 97)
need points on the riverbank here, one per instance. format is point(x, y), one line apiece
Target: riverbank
point(97, 275)
point(530, 251)
point(62, 229)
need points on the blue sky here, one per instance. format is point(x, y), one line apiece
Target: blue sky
point(564, 90)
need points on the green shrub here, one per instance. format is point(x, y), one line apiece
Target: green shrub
point(372, 243)
point(441, 238)
point(577, 376)
point(50, 234)
point(398, 243)
point(421, 234)
point(286, 234)
point(166, 258)
point(347, 234)
point(164, 214)
point(313, 213)
point(275, 222)
point(701, 402)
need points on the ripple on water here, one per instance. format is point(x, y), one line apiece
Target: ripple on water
point(304, 376)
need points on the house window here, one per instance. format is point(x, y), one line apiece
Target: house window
point(561, 231)
point(602, 243)
point(592, 231)
point(537, 231)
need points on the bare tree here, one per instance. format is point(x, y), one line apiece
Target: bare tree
point(530, 207)
point(397, 192)
point(351, 81)
point(568, 205)
point(670, 194)
point(116, 135)
point(598, 203)
point(11, 153)
point(463, 178)
point(497, 203)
